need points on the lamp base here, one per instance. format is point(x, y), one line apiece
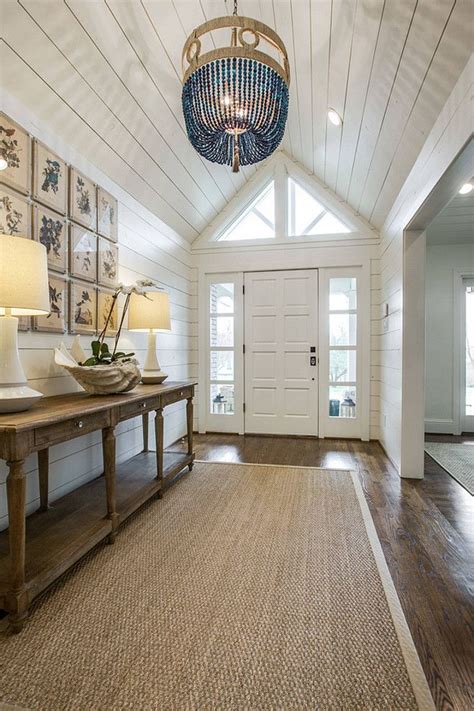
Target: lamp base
point(17, 398)
point(153, 376)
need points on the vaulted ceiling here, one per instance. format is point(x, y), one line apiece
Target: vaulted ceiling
point(105, 76)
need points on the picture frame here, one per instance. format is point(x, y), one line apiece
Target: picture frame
point(107, 215)
point(15, 147)
point(82, 253)
point(15, 213)
point(107, 263)
point(104, 302)
point(82, 200)
point(50, 229)
point(50, 178)
point(82, 307)
point(56, 320)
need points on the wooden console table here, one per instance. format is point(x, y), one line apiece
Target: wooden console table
point(37, 549)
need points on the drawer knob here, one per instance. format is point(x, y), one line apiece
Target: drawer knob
point(181, 394)
point(143, 404)
point(79, 424)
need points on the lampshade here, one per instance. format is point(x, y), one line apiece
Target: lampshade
point(23, 277)
point(150, 310)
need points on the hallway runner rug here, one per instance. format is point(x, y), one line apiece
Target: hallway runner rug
point(253, 587)
point(457, 459)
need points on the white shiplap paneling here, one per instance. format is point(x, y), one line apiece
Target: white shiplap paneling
point(147, 249)
point(107, 74)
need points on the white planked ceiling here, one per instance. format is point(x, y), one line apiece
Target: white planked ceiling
point(455, 223)
point(105, 76)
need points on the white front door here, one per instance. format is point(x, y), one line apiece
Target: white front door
point(281, 329)
point(467, 394)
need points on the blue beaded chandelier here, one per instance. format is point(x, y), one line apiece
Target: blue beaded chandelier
point(235, 98)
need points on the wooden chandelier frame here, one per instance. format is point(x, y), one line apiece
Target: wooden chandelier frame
point(192, 58)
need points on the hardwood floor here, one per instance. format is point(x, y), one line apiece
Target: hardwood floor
point(426, 529)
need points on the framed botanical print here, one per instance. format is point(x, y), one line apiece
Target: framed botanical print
point(82, 200)
point(49, 178)
point(50, 229)
point(15, 214)
point(82, 307)
point(83, 254)
point(107, 214)
point(15, 149)
point(105, 300)
point(107, 272)
point(56, 320)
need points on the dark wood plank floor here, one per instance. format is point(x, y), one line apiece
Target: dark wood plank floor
point(426, 529)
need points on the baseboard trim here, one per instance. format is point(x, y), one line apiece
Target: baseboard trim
point(438, 426)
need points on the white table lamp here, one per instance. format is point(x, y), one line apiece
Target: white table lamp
point(24, 291)
point(150, 312)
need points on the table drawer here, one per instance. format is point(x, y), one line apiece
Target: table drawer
point(68, 429)
point(181, 394)
point(139, 407)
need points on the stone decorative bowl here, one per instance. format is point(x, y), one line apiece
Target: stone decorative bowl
point(118, 377)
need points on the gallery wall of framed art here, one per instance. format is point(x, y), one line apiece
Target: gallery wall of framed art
point(44, 198)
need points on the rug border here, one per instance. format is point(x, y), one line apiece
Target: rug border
point(452, 444)
point(413, 665)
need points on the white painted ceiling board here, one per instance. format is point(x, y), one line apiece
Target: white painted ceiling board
point(455, 223)
point(111, 70)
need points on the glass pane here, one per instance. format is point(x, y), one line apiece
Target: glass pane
point(343, 329)
point(222, 331)
point(303, 209)
point(328, 225)
point(221, 298)
point(222, 365)
point(258, 222)
point(342, 366)
point(342, 294)
point(222, 399)
point(470, 350)
point(342, 401)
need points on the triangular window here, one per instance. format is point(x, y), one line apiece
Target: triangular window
point(306, 216)
point(258, 220)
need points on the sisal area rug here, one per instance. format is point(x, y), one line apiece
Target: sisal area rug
point(246, 587)
point(457, 459)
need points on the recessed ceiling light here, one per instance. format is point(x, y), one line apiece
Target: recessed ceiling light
point(3, 164)
point(334, 117)
point(466, 188)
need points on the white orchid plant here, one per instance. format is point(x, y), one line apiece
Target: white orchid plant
point(101, 353)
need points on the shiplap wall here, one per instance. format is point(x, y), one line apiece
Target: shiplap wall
point(453, 128)
point(147, 248)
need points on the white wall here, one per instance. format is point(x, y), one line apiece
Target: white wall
point(441, 399)
point(147, 248)
point(452, 129)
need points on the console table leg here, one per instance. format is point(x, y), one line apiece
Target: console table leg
point(108, 447)
point(189, 420)
point(145, 432)
point(16, 495)
point(43, 475)
point(159, 438)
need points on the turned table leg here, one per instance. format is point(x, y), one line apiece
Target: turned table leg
point(108, 448)
point(159, 440)
point(189, 420)
point(16, 495)
point(145, 432)
point(43, 475)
